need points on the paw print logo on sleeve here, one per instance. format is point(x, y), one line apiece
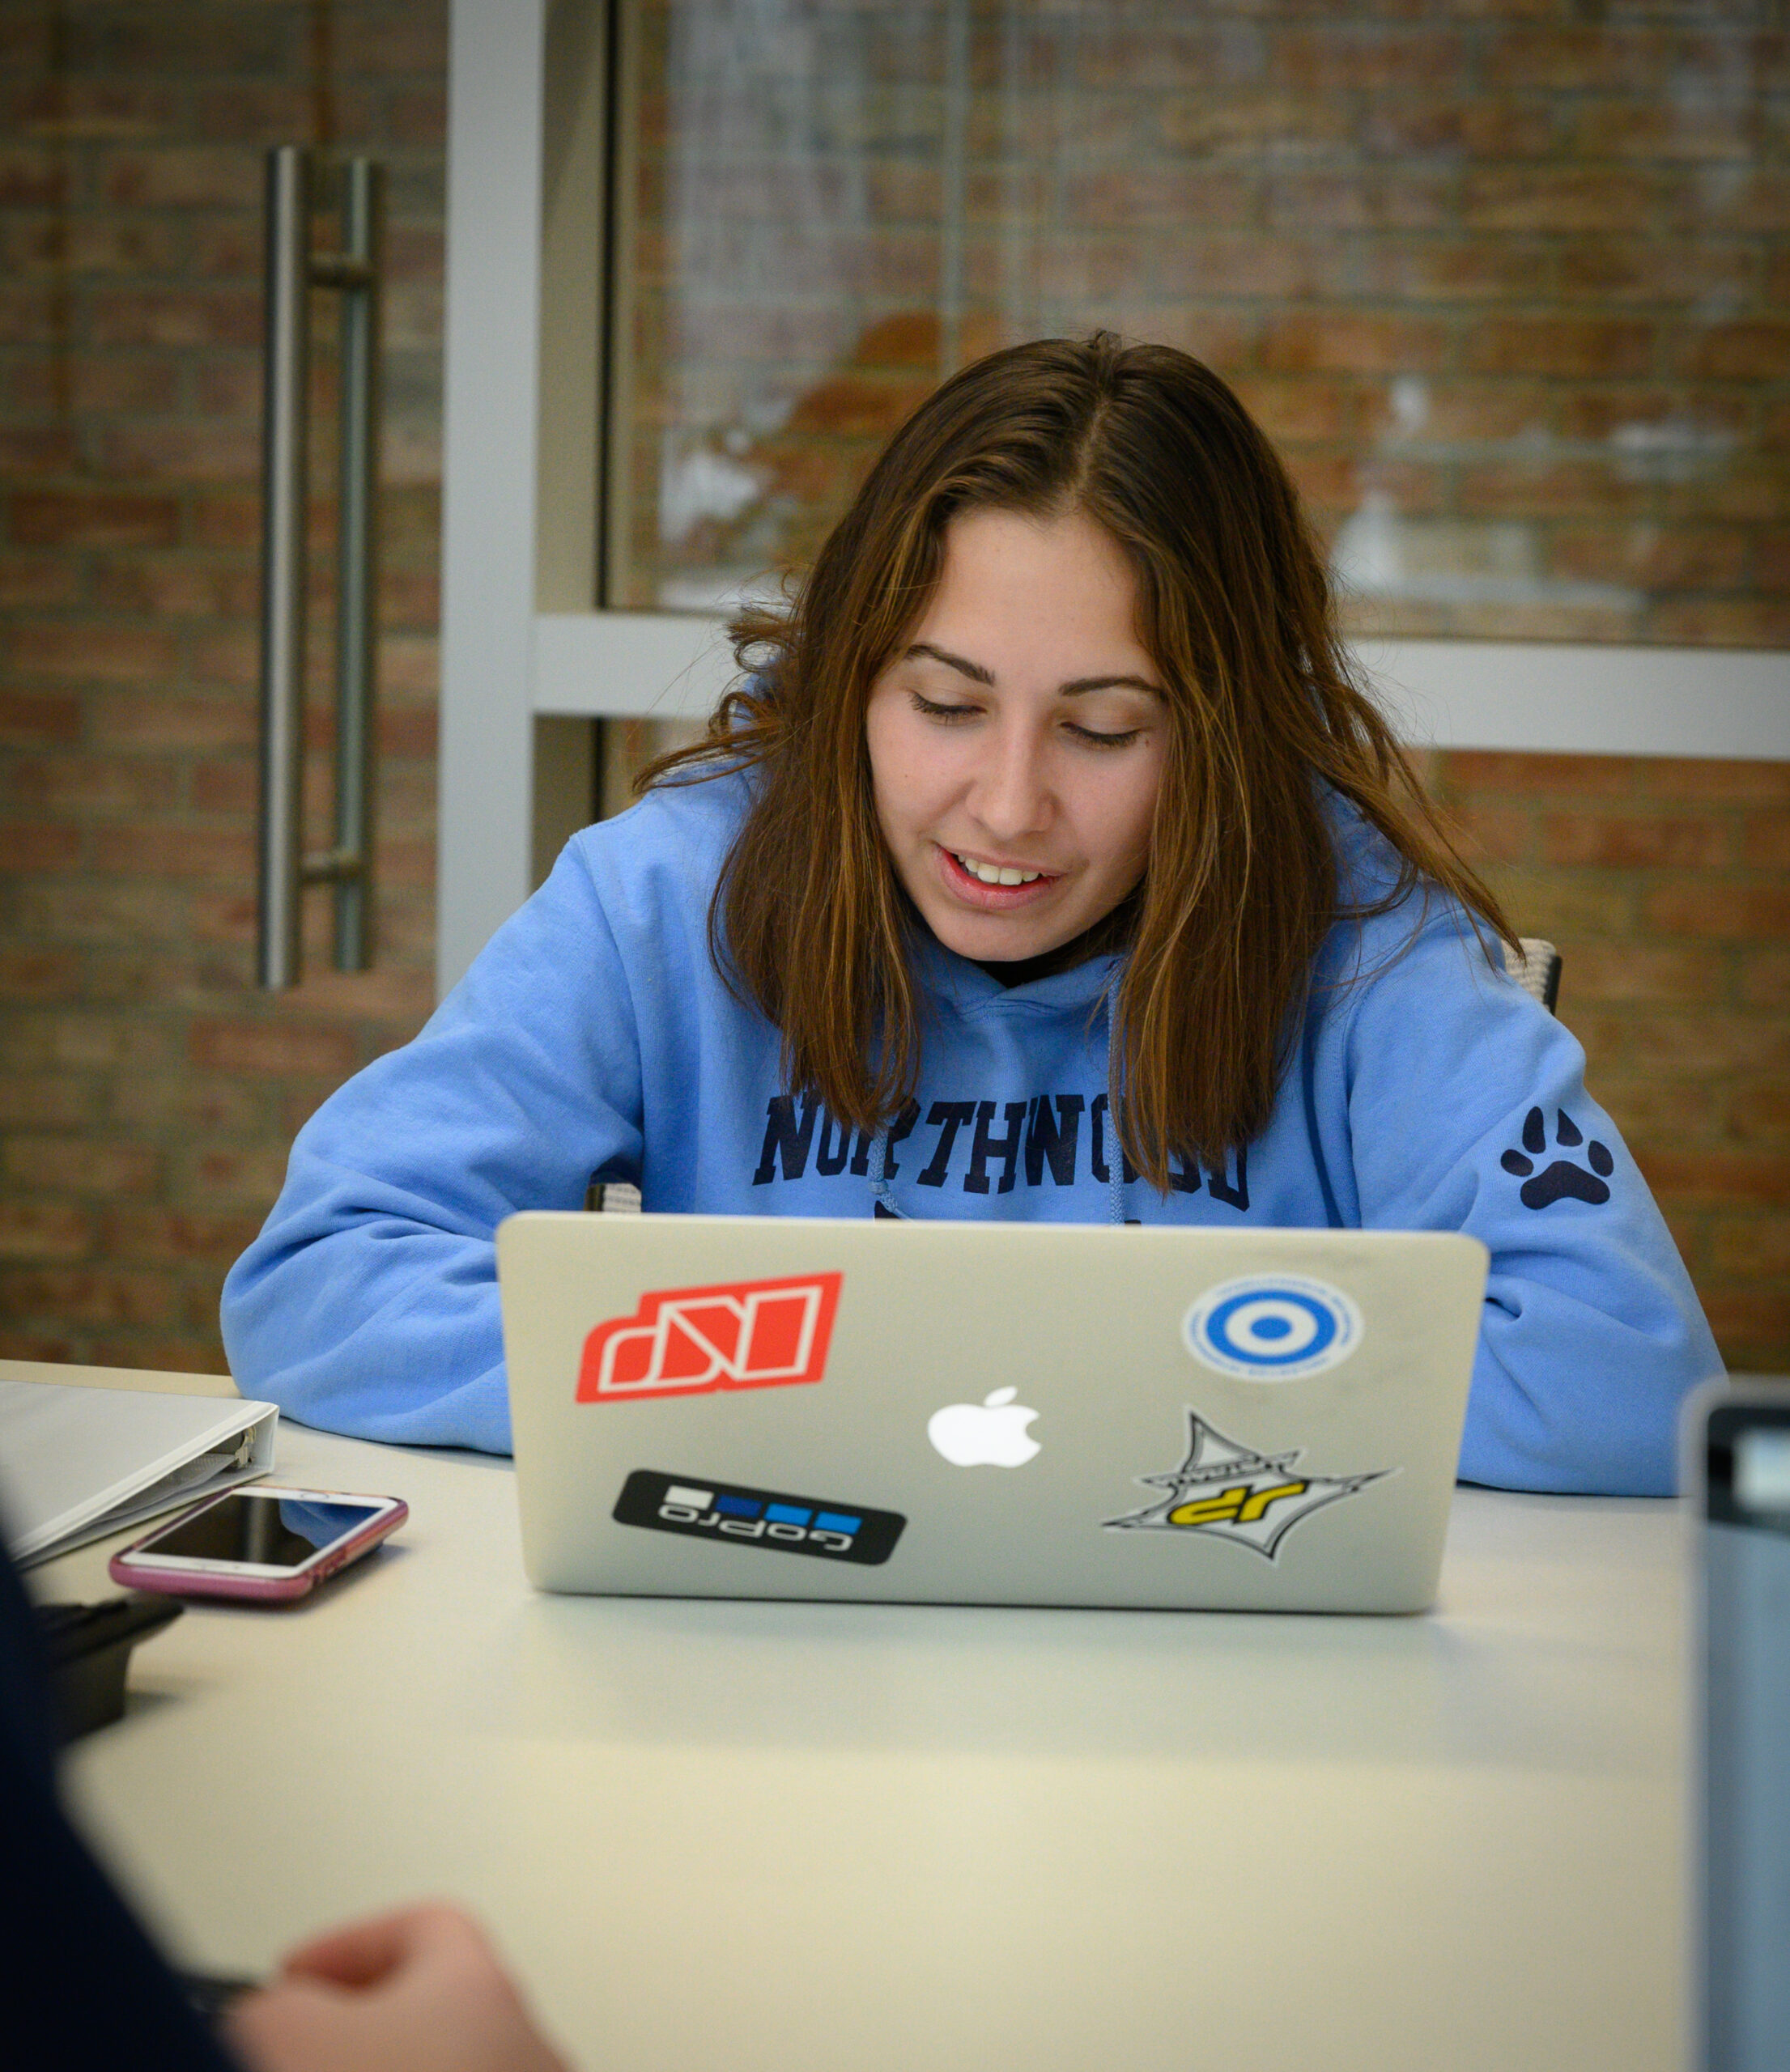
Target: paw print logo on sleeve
point(1564, 1178)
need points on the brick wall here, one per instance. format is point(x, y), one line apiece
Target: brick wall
point(147, 1093)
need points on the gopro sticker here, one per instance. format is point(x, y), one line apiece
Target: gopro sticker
point(732, 1515)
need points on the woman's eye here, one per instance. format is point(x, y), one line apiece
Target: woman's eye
point(929, 709)
point(1095, 739)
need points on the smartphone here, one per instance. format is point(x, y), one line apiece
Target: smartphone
point(260, 1545)
point(1738, 1449)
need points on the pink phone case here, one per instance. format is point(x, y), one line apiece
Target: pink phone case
point(253, 1590)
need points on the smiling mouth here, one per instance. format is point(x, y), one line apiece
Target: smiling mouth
point(994, 873)
point(1001, 884)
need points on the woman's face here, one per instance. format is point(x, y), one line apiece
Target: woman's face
point(1017, 744)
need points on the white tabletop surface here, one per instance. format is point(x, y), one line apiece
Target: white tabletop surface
point(879, 1838)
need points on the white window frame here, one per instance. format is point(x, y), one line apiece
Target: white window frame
point(521, 642)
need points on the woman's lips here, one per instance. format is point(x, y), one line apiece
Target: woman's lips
point(991, 898)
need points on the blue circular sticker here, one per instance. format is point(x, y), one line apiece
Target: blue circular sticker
point(1273, 1327)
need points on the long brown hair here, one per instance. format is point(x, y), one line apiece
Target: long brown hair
point(808, 920)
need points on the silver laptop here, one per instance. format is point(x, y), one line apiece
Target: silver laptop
point(986, 1413)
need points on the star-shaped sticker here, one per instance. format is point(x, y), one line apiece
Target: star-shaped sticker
point(1236, 1493)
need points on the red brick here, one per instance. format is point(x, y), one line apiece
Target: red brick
point(1371, 56)
point(304, 1048)
point(1754, 1246)
point(52, 1348)
point(1719, 1177)
point(33, 720)
point(392, 42)
point(1561, 346)
point(1453, 269)
point(27, 974)
point(184, 586)
point(80, 1165)
point(185, 1102)
point(33, 177)
point(1655, 556)
point(1574, 59)
point(1758, 349)
point(175, 316)
point(1711, 779)
point(40, 848)
point(69, 108)
point(238, 1174)
point(1644, 971)
point(44, 1230)
point(182, 176)
point(1351, 342)
point(1765, 842)
point(86, 785)
point(89, 1295)
point(178, 1237)
point(93, 518)
point(253, 113)
point(1397, 125)
point(171, 723)
point(32, 313)
point(174, 852)
point(1727, 911)
point(1544, 488)
point(1752, 1327)
point(198, 450)
point(1723, 622)
point(1553, 201)
point(1413, 200)
point(35, 580)
point(1631, 841)
point(39, 1100)
point(42, 449)
point(1665, 128)
point(1765, 979)
point(98, 654)
point(1495, 833)
point(230, 656)
point(1669, 272)
point(1759, 1114)
point(66, 909)
point(65, 244)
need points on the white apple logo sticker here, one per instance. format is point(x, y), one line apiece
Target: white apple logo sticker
point(990, 1433)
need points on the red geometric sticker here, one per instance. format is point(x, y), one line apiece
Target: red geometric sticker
point(691, 1341)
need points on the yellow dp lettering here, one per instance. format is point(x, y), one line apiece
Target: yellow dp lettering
point(1258, 1503)
point(1236, 1505)
point(1211, 1510)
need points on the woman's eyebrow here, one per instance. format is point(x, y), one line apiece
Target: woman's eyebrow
point(973, 670)
point(1077, 687)
point(1081, 684)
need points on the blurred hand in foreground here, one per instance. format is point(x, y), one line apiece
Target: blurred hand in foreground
point(420, 1990)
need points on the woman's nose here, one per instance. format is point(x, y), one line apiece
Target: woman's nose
point(1012, 793)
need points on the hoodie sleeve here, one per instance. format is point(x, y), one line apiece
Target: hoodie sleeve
point(1467, 1111)
point(368, 1303)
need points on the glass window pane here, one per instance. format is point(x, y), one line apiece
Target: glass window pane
point(1509, 284)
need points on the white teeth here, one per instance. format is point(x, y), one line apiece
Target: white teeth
point(997, 873)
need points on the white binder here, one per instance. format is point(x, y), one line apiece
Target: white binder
point(78, 1463)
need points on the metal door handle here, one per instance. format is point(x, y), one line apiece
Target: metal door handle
point(292, 271)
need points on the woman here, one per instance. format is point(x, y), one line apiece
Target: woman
point(1047, 866)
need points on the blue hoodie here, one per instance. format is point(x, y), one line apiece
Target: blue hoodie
point(593, 1036)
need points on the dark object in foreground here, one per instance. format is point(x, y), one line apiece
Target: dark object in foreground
point(88, 1648)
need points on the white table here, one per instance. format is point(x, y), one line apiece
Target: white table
point(806, 1836)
